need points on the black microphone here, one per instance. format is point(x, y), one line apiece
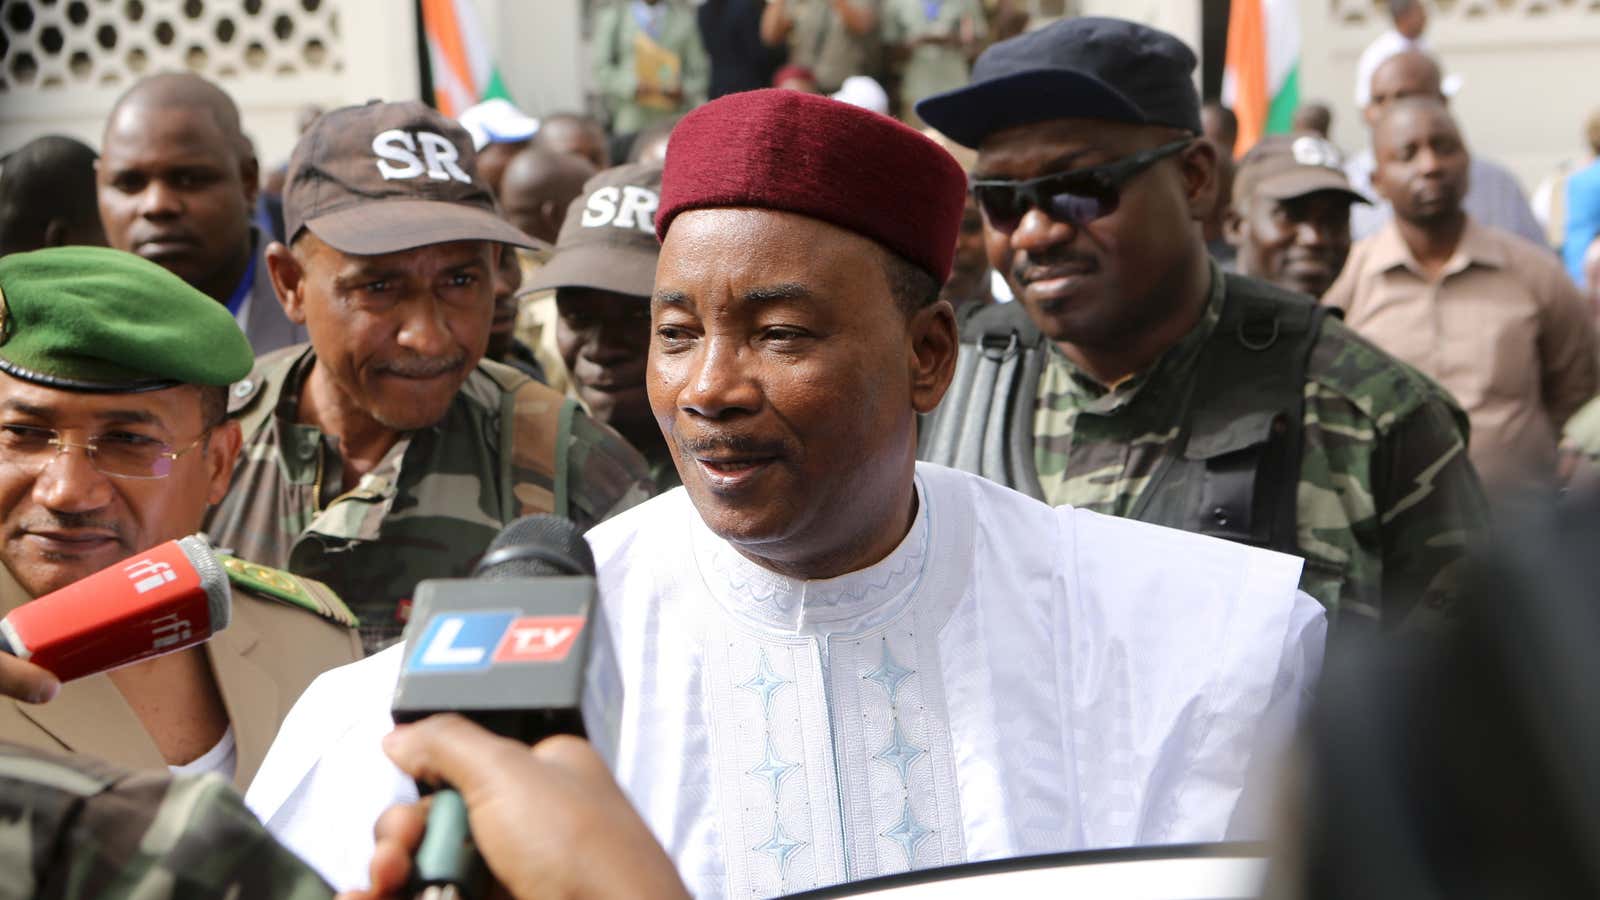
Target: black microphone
point(508, 649)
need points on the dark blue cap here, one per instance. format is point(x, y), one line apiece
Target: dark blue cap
point(1083, 68)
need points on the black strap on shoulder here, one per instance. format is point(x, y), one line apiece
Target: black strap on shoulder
point(1242, 424)
point(985, 424)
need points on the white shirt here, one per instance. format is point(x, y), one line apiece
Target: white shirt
point(222, 758)
point(1012, 679)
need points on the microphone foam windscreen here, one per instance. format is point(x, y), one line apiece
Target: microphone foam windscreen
point(534, 547)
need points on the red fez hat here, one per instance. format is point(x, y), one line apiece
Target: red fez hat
point(806, 154)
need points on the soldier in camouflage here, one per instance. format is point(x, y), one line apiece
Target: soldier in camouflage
point(1135, 378)
point(72, 828)
point(112, 443)
point(389, 451)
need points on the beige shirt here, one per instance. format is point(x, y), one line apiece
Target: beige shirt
point(262, 661)
point(1503, 329)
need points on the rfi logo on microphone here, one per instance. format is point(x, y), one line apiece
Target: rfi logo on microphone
point(476, 640)
point(148, 574)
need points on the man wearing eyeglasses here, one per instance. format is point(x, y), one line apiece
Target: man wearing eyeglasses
point(1135, 378)
point(113, 439)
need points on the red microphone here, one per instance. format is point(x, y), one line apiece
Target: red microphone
point(171, 597)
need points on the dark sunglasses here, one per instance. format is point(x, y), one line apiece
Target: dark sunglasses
point(1075, 197)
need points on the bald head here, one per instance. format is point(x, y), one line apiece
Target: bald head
point(47, 196)
point(576, 134)
point(1411, 73)
point(180, 90)
point(537, 187)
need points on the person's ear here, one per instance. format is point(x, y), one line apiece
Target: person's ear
point(1200, 177)
point(935, 342)
point(222, 450)
point(288, 281)
point(1233, 226)
point(57, 233)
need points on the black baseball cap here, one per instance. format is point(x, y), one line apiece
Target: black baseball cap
point(386, 177)
point(608, 239)
point(1083, 68)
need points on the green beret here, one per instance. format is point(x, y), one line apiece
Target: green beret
point(94, 319)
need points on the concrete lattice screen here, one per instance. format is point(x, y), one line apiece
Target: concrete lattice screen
point(59, 45)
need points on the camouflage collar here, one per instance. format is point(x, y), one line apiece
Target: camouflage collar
point(1171, 366)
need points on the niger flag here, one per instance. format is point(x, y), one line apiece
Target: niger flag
point(459, 57)
point(1261, 75)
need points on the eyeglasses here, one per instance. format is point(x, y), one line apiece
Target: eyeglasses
point(1075, 197)
point(120, 454)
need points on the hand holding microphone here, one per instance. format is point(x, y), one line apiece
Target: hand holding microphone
point(25, 681)
point(550, 820)
point(167, 598)
point(508, 649)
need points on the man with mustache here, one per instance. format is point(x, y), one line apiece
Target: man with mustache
point(1491, 315)
point(1289, 215)
point(114, 438)
point(389, 450)
point(177, 182)
point(1137, 379)
point(821, 660)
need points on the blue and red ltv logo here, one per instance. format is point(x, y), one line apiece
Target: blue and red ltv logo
point(476, 640)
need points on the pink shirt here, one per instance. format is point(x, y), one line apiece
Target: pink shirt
point(1503, 329)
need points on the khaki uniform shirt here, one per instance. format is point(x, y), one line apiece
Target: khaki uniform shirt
point(1387, 499)
point(430, 506)
point(78, 828)
point(1503, 329)
point(262, 661)
point(931, 68)
point(820, 41)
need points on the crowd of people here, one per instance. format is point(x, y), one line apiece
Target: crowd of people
point(978, 483)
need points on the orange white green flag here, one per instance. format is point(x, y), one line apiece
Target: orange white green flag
point(1261, 74)
point(459, 56)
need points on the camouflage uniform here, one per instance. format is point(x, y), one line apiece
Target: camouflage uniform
point(1386, 500)
point(72, 827)
point(431, 505)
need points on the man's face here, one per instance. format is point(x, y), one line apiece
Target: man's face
point(64, 520)
point(507, 281)
point(1421, 163)
point(604, 338)
point(395, 334)
point(972, 257)
point(173, 189)
point(1100, 283)
point(577, 138)
point(1299, 243)
point(787, 380)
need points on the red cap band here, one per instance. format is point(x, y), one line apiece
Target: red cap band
point(806, 154)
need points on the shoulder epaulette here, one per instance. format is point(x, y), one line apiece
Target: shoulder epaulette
point(308, 594)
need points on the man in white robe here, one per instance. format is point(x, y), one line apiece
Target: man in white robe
point(820, 661)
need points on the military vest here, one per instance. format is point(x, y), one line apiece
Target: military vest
point(1233, 472)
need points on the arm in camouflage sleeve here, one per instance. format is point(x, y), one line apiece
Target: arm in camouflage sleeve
point(605, 475)
point(1431, 507)
point(90, 830)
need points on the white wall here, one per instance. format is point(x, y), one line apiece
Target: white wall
point(369, 50)
point(1528, 68)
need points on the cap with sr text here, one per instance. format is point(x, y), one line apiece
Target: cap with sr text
point(387, 177)
point(1082, 68)
point(608, 239)
point(100, 320)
